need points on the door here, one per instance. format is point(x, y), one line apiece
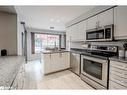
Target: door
point(120, 22)
point(105, 18)
point(91, 23)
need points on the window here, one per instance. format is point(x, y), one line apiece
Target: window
point(45, 41)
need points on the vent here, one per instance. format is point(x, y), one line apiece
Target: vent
point(51, 27)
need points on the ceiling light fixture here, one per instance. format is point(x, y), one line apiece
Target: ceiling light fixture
point(58, 20)
point(51, 20)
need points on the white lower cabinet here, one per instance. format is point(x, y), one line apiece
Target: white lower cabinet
point(113, 85)
point(47, 63)
point(65, 60)
point(118, 75)
point(56, 61)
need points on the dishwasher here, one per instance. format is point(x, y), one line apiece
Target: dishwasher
point(75, 62)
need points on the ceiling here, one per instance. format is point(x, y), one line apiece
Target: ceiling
point(44, 17)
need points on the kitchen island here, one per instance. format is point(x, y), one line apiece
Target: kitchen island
point(9, 68)
point(55, 61)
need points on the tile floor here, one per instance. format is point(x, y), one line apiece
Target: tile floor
point(35, 79)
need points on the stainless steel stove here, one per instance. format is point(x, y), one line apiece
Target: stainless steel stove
point(95, 65)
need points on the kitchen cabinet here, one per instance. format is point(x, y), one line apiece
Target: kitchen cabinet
point(81, 33)
point(120, 22)
point(65, 60)
point(105, 18)
point(76, 32)
point(92, 22)
point(117, 75)
point(100, 20)
point(47, 63)
point(56, 61)
point(68, 34)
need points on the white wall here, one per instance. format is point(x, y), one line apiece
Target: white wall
point(8, 33)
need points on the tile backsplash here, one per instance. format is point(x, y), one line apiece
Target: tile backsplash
point(118, 43)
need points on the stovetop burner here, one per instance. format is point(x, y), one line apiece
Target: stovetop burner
point(97, 51)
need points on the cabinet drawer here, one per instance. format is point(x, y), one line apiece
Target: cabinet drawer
point(113, 85)
point(119, 72)
point(118, 65)
point(118, 79)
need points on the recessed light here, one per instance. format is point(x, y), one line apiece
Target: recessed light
point(58, 20)
point(51, 20)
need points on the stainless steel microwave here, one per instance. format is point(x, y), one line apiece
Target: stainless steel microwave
point(100, 34)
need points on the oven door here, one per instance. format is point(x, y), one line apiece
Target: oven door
point(95, 69)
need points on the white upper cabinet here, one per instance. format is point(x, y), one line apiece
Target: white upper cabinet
point(100, 20)
point(68, 34)
point(120, 22)
point(105, 18)
point(82, 31)
point(91, 23)
point(76, 32)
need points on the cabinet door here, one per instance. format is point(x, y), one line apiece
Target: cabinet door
point(74, 30)
point(81, 33)
point(47, 63)
point(65, 60)
point(68, 34)
point(68, 37)
point(120, 22)
point(105, 18)
point(55, 62)
point(91, 23)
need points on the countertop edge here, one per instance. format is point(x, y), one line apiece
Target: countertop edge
point(118, 59)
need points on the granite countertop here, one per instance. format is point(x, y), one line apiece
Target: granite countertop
point(50, 51)
point(119, 59)
point(9, 67)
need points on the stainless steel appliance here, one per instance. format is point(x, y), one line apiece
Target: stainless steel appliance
point(95, 64)
point(75, 62)
point(100, 34)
